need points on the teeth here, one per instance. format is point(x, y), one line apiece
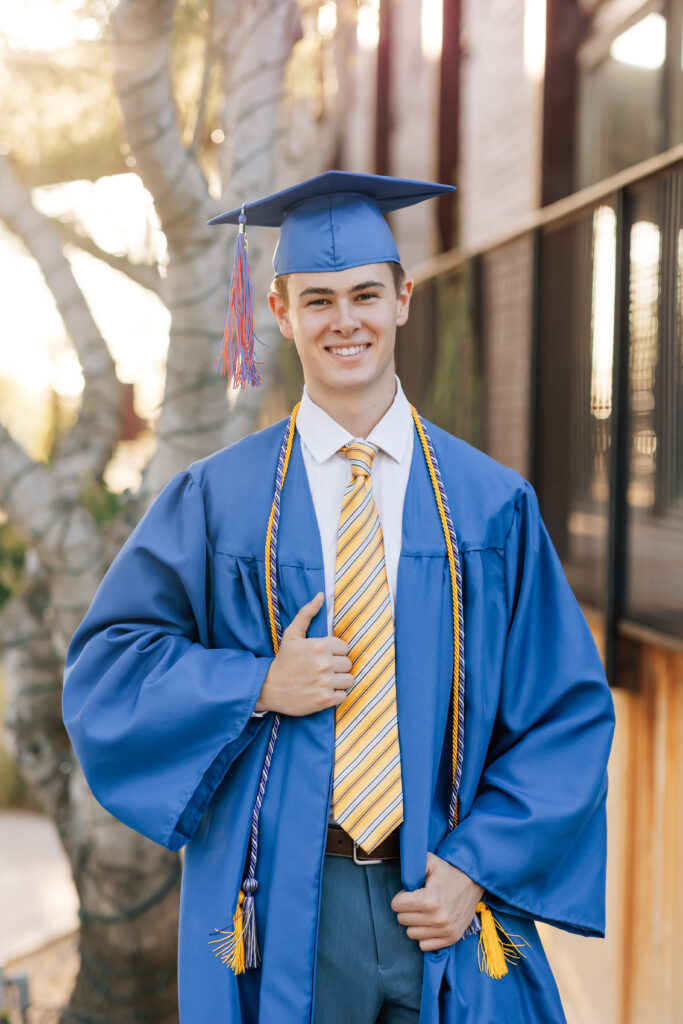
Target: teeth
point(349, 350)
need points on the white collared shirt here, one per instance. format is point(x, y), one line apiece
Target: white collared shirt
point(329, 474)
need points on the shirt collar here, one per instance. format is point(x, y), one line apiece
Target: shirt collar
point(323, 436)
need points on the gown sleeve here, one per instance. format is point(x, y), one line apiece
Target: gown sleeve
point(156, 716)
point(535, 837)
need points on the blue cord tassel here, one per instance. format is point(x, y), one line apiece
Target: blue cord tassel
point(252, 956)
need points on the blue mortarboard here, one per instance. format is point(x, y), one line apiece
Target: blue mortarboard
point(330, 222)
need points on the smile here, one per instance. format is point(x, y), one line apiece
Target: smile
point(349, 350)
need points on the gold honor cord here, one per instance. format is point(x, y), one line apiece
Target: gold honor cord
point(455, 603)
point(269, 532)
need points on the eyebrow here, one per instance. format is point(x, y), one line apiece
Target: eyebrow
point(330, 291)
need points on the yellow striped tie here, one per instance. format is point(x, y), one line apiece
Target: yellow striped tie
point(367, 797)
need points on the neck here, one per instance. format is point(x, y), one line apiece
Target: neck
point(355, 411)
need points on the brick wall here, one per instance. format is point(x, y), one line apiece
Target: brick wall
point(500, 123)
point(414, 103)
point(506, 302)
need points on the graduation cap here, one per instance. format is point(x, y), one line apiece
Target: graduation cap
point(327, 223)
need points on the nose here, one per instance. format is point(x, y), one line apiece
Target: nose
point(346, 319)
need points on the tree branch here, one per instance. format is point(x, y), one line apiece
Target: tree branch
point(253, 102)
point(144, 274)
point(61, 531)
point(34, 677)
point(88, 447)
point(27, 490)
point(209, 59)
point(140, 45)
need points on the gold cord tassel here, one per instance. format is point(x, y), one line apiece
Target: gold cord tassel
point(230, 950)
point(496, 948)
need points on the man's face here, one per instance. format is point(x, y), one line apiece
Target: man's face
point(344, 326)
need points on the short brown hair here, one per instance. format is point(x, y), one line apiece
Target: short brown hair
point(279, 283)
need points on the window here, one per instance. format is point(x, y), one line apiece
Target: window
point(623, 90)
point(654, 530)
point(574, 410)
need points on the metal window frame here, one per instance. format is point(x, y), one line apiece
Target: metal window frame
point(618, 629)
point(615, 575)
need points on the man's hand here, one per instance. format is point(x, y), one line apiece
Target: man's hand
point(438, 914)
point(307, 673)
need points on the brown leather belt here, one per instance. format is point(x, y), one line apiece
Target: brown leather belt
point(340, 844)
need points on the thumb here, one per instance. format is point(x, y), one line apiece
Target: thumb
point(303, 618)
point(432, 861)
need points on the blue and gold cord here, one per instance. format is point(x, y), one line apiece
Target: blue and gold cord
point(238, 947)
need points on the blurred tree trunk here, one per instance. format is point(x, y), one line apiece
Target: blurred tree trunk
point(128, 886)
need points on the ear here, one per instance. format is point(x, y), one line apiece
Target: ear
point(281, 314)
point(403, 301)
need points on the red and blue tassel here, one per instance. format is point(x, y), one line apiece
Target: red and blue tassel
point(236, 358)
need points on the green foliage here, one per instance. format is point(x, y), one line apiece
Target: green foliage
point(60, 117)
point(198, 89)
point(455, 398)
point(102, 504)
point(289, 374)
point(12, 556)
point(438, 354)
point(13, 792)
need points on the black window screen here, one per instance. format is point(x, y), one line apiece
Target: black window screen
point(574, 393)
point(438, 353)
point(654, 533)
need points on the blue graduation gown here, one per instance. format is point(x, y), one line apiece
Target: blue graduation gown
point(164, 671)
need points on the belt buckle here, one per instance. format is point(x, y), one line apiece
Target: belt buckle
point(369, 860)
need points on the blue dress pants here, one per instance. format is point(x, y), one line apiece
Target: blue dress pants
point(368, 971)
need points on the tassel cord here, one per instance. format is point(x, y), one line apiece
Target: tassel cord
point(236, 358)
point(239, 949)
point(496, 948)
point(458, 687)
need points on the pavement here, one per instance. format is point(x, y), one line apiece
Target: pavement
point(38, 901)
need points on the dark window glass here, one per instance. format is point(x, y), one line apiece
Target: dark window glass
point(506, 286)
point(574, 393)
point(622, 113)
point(654, 553)
point(438, 354)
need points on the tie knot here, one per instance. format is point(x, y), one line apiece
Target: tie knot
point(360, 454)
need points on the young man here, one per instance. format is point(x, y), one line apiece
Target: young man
point(339, 662)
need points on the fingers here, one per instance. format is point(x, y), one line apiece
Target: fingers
point(340, 663)
point(419, 910)
point(337, 645)
point(303, 618)
point(428, 945)
point(408, 902)
point(339, 695)
point(411, 919)
point(428, 933)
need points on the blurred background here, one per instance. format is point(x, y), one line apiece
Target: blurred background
point(546, 328)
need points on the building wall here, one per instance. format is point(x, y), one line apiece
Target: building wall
point(633, 975)
point(506, 323)
point(413, 122)
point(414, 105)
point(358, 125)
point(501, 120)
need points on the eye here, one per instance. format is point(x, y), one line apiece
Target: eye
point(318, 302)
point(364, 296)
